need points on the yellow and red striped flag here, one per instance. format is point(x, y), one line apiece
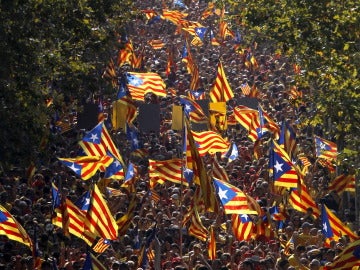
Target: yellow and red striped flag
point(99, 220)
point(75, 221)
point(212, 244)
point(302, 200)
point(167, 170)
point(343, 183)
point(156, 44)
point(210, 142)
point(139, 84)
point(98, 142)
point(221, 90)
point(348, 258)
point(87, 166)
point(233, 199)
point(101, 245)
point(242, 226)
point(174, 16)
point(12, 229)
point(196, 227)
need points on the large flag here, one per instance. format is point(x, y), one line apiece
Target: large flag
point(333, 228)
point(210, 142)
point(325, 149)
point(283, 170)
point(98, 142)
point(11, 228)
point(302, 201)
point(242, 226)
point(75, 221)
point(167, 170)
point(233, 199)
point(221, 90)
point(139, 84)
point(99, 219)
point(343, 183)
point(349, 258)
point(87, 166)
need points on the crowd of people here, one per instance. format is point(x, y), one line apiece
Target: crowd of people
point(29, 198)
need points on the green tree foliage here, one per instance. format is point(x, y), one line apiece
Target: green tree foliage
point(50, 49)
point(322, 37)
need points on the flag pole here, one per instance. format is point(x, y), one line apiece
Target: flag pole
point(182, 180)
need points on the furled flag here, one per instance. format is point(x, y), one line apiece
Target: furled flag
point(110, 73)
point(196, 227)
point(98, 142)
point(99, 219)
point(201, 177)
point(12, 229)
point(130, 177)
point(287, 139)
point(225, 31)
point(343, 183)
point(132, 134)
point(92, 263)
point(198, 94)
point(221, 90)
point(233, 199)
point(232, 153)
point(218, 171)
point(333, 228)
point(87, 166)
point(210, 142)
point(213, 39)
point(348, 258)
point(283, 170)
point(188, 175)
point(212, 244)
point(325, 149)
point(126, 54)
point(302, 201)
point(242, 226)
point(139, 84)
point(193, 111)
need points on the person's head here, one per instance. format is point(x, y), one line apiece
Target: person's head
point(246, 265)
point(282, 264)
point(314, 264)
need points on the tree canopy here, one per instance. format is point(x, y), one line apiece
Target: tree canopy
point(51, 51)
point(322, 38)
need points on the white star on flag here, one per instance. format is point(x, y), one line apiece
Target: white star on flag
point(74, 168)
point(94, 137)
point(325, 227)
point(222, 194)
point(278, 166)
